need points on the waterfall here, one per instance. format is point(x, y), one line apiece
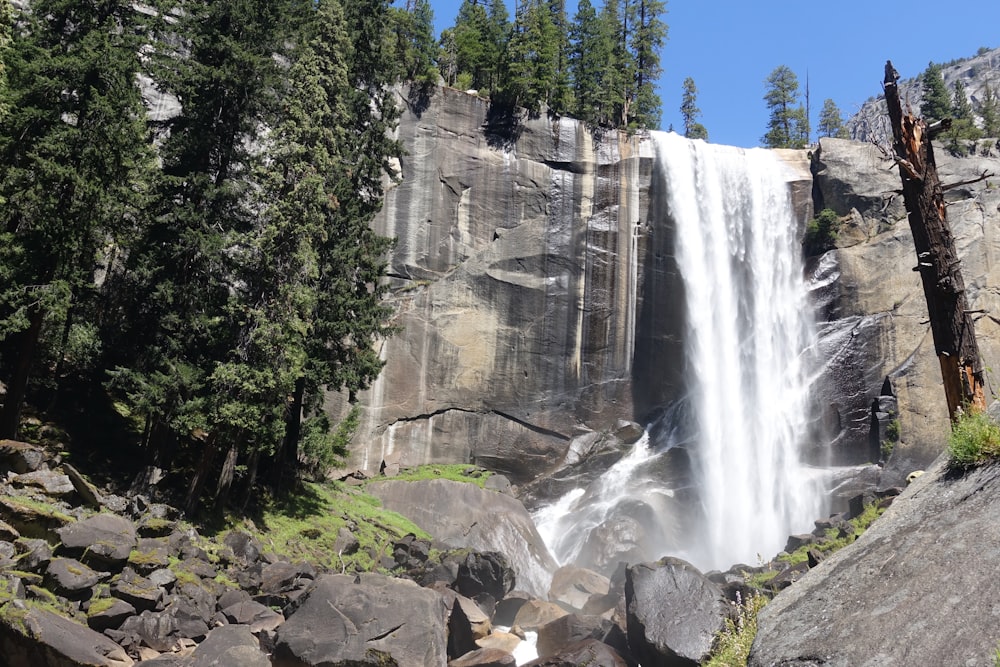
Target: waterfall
point(731, 445)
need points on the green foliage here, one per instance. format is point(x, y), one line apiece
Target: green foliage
point(456, 472)
point(989, 112)
point(963, 127)
point(831, 122)
point(974, 440)
point(732, 646)
point(533, 56)
point(787, 125)
point(935, 104)
point(305, 525)
point(891, 438)
point(416, 49)
point(645, 37)
point(821, 232)
point(833, 540)
point(690, 112)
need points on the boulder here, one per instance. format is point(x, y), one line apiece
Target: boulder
point(49, 481)
point(244, 547)
point(535, 613)
point(229, 645)
point(574, 586)
point(31, 637)
point(364, 620)
point(107, 613)
point(485, 657)
point(104, 538)
point(674, 613)
point(137, 590)
point(71, 578)
point(499, 639)
point(253, 614)
point(33, 519)
point(35, 554)
point(87, 491)
point(462, 515)
point(487, 573)
point(508, 607)
point(588, 652)
point(20, 457)
point(912, 589)
point(557, 635)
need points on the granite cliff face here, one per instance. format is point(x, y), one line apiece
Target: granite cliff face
point(538, 297)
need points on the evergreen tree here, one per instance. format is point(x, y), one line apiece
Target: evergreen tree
point(585, 61)
point(416, 48)
point(475, 52)
point(936, 104)
point(533, 56)
point(614, 76)
point(690, 112)
point(560, 98)
point(178, 286)
point(74, 154)
point(646, 35)
point(831, 123)
point(963, 125)
point(989, 111)
point(787, 126)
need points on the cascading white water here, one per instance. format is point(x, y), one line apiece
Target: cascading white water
point(748, 336)
point(749, 330)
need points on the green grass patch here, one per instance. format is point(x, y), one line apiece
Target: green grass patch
point(833, 541)
point(760, 579)
point(974, 440)
point(305, 526)
point(456, 472)
point(732, 646)
point(32, 506)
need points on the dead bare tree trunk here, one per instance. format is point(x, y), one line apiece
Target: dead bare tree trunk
point(937, 260)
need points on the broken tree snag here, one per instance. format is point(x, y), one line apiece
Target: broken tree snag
point(937, 260)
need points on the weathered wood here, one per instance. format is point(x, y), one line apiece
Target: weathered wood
point(951, 321)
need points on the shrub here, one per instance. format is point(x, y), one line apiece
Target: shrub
point(821, 232)
point(732, 646)
point(974, 440)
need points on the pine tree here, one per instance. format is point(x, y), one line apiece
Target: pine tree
point(963, 126)
point(74, 153)
point(787, 127)
point(831, 123)
point(615, 71)
point(690, 112)
point(178, 286)
point(589, 54)
point(533, 56)
point(646, 35)
point(415, 46)
point(560, 99)
point(989, 111)
point(936, 104)
point(474, 50)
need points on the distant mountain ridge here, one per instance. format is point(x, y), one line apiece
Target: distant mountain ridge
point(871, 122)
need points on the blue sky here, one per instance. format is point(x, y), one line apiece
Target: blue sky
point(729, 48)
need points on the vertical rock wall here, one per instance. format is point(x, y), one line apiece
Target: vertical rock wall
point(515, 278)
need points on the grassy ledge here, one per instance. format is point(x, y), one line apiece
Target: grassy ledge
point(974, 440)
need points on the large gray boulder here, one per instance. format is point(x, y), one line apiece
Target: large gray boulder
point(461, 515)
point(368, 620)
point(915, 589)
point(38, 638)
point(673, 613)
point(103, 538)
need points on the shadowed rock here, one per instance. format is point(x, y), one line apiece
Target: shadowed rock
point(674, 613)
point(368, 620)
point(39, 638)
point(103, 538)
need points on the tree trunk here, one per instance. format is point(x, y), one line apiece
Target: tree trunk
point(201, 473)
point(937, 260)
point(10, 416)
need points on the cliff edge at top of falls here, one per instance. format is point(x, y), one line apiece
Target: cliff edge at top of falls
point(919, 587)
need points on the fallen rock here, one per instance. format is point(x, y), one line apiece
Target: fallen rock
point(52, 483)
point(485, 657)
point(487, 573)
point(536, 613)
point(253, 614)
point(33, 519)
point(103, 538)
point(674, 613)
point(555, 636)
point(367, 620)
point(71, 578)
point(462, 515)
point(137, 590)
point(87, 491)
point(20, 457)
point(39, 638)
point(105, 613)
point(229, 645)
point(574, 586)
point(588, 652)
